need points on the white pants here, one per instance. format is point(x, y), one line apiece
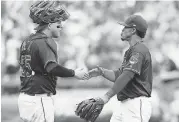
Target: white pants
point(39, 108)
point(133, 110)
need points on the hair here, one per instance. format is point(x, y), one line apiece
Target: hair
point(140, 34)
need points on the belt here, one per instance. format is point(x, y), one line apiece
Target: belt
point(45, 94)
point(134, 98)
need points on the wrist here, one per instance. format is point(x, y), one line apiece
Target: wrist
point(73, 72)
point(110, 93)
point(105, 98)
point(76, 73)
point(102, 71)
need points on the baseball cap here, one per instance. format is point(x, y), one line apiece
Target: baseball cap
point(137, 22)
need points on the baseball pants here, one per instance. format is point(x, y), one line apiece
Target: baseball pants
point(133, 110)
point(38, 108)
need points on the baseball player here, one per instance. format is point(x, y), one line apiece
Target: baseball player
point(39, 65)
point(132, 81)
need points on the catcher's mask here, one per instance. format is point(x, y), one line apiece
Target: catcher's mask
point(47, 12)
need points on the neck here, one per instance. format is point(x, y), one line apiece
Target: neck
point(47, 32)
point(134, 40)
point(41, 28)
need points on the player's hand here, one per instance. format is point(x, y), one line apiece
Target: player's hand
point(96, 72)
point(81, 74)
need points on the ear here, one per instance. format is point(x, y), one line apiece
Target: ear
point(49, 26)
point(134, 30)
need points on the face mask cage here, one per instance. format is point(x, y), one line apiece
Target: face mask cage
point(47, 12)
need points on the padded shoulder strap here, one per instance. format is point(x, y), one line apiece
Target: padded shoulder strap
point(53, 46)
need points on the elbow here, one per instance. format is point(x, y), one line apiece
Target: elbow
point(129, 74)
point(50, 67)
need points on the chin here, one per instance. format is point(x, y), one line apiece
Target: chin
point(55, 35)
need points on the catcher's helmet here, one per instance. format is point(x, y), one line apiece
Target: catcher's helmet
point(47, 12)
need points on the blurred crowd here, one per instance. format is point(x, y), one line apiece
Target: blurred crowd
point(91, 37)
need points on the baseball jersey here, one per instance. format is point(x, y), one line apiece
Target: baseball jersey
point(35, 53)
point(138, 60)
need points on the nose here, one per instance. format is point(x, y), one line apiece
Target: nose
point(123, 29)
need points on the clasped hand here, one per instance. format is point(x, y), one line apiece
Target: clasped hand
point(81, 74)
point(96, 72)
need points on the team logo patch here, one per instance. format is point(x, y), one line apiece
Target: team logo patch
point(134, 59)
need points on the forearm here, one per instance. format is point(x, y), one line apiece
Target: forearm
point(111, 75)
point(60, 71)
point(120, 83)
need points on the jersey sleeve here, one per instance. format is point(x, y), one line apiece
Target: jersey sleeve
point(134, 63)
point(117, 73)
point(46, 53)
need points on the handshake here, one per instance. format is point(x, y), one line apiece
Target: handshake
point(81, 74)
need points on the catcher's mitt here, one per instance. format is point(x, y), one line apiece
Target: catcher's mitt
point(90, 109)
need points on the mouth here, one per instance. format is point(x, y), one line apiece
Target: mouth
point(122, 39)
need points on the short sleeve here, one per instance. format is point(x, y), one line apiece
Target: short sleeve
point(134, 63)
point(46, 54)
point(117, 73)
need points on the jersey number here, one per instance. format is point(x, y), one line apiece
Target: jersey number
point(25, 65)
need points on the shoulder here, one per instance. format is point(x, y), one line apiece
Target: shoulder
point(42, 39)
point(50, 42)
point(37, 38)
point(39, 43)
point(140, 48)
point(44, 43)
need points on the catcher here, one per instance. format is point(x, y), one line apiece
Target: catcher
point(39, 64)
point(132, 81)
